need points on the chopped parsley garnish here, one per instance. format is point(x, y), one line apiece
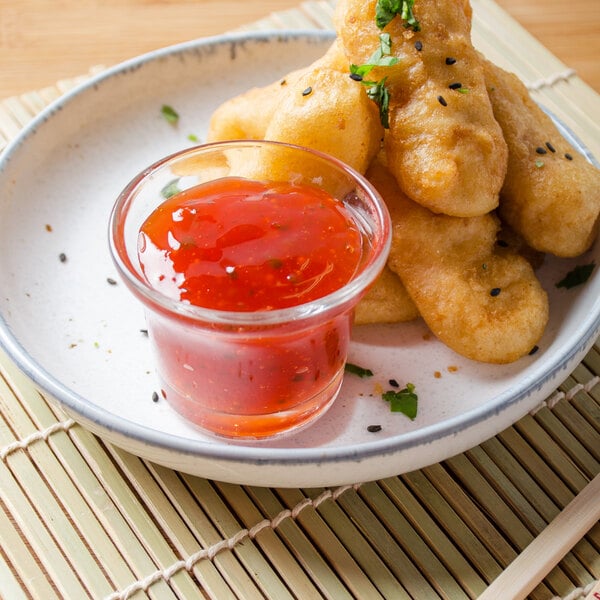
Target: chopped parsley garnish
point(356, 370)
point(404, 401)
point(377, 90)
point(386, 11)
point(170, 189)
point(578, 276)
point(380, 94)
point(380, 58)
point(193, 137)
point(169, 114)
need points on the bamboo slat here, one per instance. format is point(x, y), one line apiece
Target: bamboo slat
point(81, 519)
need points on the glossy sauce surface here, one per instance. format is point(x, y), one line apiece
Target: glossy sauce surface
point(239, 245)
point(243, 245)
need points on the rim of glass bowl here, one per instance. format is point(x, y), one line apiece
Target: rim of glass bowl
point(332, 301)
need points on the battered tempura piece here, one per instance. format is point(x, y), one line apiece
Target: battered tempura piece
point(247, 116)
point(484, 304)
point(443, 145)
point(325, 111)
point(319, 107)
point(551, 194)
point(386, 302)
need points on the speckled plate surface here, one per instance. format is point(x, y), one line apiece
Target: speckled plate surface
point(78, 336)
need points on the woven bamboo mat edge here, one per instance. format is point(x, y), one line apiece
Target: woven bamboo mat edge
point(82, 519)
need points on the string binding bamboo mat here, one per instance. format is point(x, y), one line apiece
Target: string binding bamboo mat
point(82, 519)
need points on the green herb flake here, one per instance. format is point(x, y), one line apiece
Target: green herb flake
point(192, 137)
point(380, 58)
point(169, 114)
point(539, 164)
point(380, 94)
point(463, 90)
point(377, 90)
point(356, 370)
point(578, 276)
point(404, 401)
point(386, 11)
point(170, 189)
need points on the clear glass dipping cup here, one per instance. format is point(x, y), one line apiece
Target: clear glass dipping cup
point(250, 375)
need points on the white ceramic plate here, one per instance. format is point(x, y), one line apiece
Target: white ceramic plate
point(78, 337)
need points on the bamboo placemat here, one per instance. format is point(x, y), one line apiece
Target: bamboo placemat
point(83, 519)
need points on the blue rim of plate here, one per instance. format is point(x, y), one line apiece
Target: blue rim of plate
point(558, 368)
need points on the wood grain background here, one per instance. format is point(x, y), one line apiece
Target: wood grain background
point(42, 41)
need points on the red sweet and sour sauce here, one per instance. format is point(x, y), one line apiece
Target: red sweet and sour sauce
point(240, 245)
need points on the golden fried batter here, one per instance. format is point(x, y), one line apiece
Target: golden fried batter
point(444, 146)
point(247, 116)
point(551, 194)
point(319, 107)
point(326, 111)
point(484, 304)
point(386, 302)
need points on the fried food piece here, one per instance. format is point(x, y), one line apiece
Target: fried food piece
point(510, 242)
point(551, 194)
point(484, 304)
point(443, 145)
point(325, 110)
point(319, 107)
point(247, 116)
point(386, 302)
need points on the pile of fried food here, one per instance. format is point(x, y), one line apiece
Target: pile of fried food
point(479, 182)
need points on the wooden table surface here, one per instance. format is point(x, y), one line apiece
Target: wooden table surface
point(42, 41)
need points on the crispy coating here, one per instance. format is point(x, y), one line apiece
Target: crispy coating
point(247, 116)
point(319, 107)
point(444, 146)
point(483, 303)
point(386, 302)
point(551, 201)
point(325, 111)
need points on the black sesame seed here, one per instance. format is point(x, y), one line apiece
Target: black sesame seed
point(394, 383)
point(307, 91)
point(550, 147)
point(568, 156)
point(502, 243)
point(62, 257)
point(494, 292)
point(533, 350)
point(541, 150)
point(144, 331)
point(455, 86)
point(154, 397)
point(450, 60)
point(419, 45)
point(374, 428)
point(356, 77)
point(111, 281)
point(442, 101)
